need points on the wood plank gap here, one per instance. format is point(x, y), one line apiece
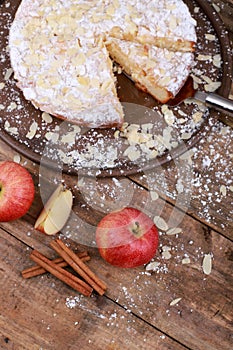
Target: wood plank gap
point(194, 217)
point(18, 239)
point(149, 324)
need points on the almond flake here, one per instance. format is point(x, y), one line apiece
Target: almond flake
point(186, 136)
point(47, 117)
point(147, 127)
point(173, 231)
point(10, 129)
point(160, 223)
point(179, 186)
point(166, 248)
point(187, 155)
point(175, 301)
point(32, 130)
point(212, 86)
point(117, 134)
point(8, 73)
point(224, 130)
point(2, 86)
point(30, 135)
point(154, 195)
point(166, 252)
point(69, 138)
point(196, 79)
point(169, 117)
point(166, 255)
point(152, 266)
point(207, 79)
point(197, 117)
point(204, 57)
point(223, 190)
point(17, 158)
point(12, 106)
point(216, 7)
point(52, 136)
point(186, 261)
point(207, 264)
point(210, 37)
point(132, 153)
point(217, 61)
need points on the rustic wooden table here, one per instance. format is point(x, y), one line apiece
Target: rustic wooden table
point(175, 306)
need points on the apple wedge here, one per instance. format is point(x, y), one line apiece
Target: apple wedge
point(56, 211)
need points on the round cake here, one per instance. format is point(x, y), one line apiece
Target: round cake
point(60, 52)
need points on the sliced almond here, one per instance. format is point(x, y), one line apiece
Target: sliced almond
point(207, 264)
point(160, 223)
point(175, 301)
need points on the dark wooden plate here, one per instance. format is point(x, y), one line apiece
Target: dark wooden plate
point(17, 115)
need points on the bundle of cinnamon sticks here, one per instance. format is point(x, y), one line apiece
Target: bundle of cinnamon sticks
point(85, 285)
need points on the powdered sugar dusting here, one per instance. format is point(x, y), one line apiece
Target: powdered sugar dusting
point(78, 70)
point(138, 144)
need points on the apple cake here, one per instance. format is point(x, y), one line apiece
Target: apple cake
point(158, 71)
point(60, 52)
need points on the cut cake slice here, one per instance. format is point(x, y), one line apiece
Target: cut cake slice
point(157, 71)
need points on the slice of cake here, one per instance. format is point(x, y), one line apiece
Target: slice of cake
point(59, 53)
point(157, 71)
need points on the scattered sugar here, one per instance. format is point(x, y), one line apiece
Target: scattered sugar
point(201, 180)
point(147, 145)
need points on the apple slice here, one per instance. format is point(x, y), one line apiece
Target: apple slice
point(56, 211)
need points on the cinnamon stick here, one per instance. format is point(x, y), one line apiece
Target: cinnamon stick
point(37, 270)
point(76, 263)
point(63, 275)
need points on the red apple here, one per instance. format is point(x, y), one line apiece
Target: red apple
point(127, 238)
point(16, 191)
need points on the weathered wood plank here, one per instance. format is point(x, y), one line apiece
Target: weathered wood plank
point(205, 299)
point(201, 188)
point(200, 184)
point(43, 313)
point(34, 314)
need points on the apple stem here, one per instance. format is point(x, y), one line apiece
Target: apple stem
point(136, 229)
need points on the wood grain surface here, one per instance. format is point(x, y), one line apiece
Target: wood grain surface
point(176, 306)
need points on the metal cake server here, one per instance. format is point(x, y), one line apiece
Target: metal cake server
point(215, 101)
